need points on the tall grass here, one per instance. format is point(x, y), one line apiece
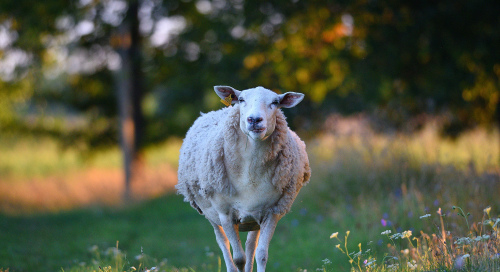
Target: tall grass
point(478, 249)
point(389, 181)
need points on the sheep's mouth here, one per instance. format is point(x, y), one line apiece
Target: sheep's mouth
point(258, 130)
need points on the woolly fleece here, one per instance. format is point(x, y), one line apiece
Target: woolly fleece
point(208, 149)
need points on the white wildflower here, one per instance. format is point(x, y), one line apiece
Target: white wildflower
point(93, 248)
point(387, 232)
point(463, 241)
point(406, 234)
point(412, 265)
point(393, 267)
point(326, 261)
point(334, 235)
point(395, 236)
point(424, 216)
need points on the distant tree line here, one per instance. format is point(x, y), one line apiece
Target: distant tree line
point(88, 71)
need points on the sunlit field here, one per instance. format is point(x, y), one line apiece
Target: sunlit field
point(376, 202)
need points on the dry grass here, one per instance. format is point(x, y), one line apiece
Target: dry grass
point(82, 188)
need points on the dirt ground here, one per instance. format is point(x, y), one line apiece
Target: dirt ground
point(82, 189)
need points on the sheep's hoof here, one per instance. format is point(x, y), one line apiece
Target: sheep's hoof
point(250, 226)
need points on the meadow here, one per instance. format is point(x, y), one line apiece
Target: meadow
point(370, 195)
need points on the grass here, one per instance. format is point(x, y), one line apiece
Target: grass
point(25, 157)
point(364, 183)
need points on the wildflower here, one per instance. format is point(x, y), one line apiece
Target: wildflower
point(133, 268)
point(405, 251)
point(487, 210)
point(424, 216)
point(383, 222)
point(347, 233)
point(395, 236)
point(338, 246)
point(112, 251)
point(412, 265)
point(460, 261)
point(334, 235)
point(463, 241)
point(406, 234)
point(393, 267)
point(387, 232)
point(326, 261)
point(369, 262)
point(93, 248)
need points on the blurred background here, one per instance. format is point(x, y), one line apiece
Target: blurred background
point(401, 118)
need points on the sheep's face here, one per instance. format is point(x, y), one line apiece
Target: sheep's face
point(258, 108)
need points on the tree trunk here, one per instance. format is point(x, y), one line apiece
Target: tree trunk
point(127, 42)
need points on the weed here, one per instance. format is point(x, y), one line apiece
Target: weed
point(477, 250)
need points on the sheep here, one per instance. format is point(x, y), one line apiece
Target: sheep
point(242, 167)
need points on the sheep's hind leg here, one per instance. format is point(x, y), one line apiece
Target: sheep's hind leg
point(223, 243)
point(250, 246)
point(267, 228)
point(233, 235)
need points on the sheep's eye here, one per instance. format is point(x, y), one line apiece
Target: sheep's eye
point(241, 100)
point(275, 102)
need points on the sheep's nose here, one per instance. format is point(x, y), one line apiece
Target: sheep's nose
point(254, 120)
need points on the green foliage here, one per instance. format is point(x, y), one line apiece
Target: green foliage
point(398, 60)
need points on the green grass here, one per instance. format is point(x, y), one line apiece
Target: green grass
point(359, 183)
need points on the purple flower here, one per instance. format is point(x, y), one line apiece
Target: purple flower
point(383, 222)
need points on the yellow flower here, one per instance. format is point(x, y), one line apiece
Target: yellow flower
point(406, 234)
point(334, 235)
point(487, 210)
point(337, 246)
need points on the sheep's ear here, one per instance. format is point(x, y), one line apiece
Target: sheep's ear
point(290, 99)
point(225, 91)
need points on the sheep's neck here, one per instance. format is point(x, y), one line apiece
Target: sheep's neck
point(253, 168)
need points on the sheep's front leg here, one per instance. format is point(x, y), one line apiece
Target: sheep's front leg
point(267, 228)
point(223, 243)
point(250, 247)
point(233, 235)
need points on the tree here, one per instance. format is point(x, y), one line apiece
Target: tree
point(129, 85)
point(398, 60)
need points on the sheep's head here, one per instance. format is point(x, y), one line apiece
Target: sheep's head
point(258, 108)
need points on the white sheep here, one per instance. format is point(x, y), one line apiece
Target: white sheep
point(242, 168)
